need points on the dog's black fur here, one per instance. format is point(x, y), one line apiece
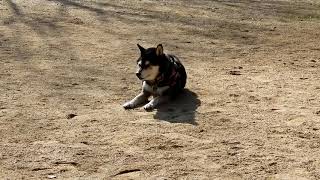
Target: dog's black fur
point(169, 81)
point(168, 65)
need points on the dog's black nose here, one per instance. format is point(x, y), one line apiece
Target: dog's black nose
point(138, 75)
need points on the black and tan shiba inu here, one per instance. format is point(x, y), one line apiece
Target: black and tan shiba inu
point(162, 75)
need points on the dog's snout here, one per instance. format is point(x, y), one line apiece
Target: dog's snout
point(138, 74)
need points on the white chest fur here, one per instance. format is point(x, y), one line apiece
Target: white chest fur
point(154, 90)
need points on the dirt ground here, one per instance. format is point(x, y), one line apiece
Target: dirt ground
point(250, 111)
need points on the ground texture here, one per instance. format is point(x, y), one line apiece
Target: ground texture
point(250, 111)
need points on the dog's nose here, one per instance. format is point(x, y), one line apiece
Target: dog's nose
point(138, 75)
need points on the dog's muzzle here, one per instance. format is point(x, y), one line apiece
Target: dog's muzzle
point(139, 75)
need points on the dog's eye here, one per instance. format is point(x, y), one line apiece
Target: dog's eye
point(147, 66)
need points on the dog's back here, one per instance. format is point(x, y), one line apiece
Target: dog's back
point(177, 75)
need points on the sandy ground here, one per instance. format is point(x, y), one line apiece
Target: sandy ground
point(250, 111)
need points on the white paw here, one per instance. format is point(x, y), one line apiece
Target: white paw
point(128, 105)
point(148, 107)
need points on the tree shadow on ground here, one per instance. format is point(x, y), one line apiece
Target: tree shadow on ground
point(180, 110)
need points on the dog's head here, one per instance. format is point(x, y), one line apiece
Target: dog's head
point(149, 63)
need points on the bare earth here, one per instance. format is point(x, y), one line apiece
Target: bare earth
point(251, 109)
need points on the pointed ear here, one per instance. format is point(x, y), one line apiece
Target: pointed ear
point(142, 50)
point(159, 50)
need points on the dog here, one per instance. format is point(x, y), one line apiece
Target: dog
point(163, 76)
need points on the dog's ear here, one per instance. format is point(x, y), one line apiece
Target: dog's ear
point(142, 50)
point(159, 50)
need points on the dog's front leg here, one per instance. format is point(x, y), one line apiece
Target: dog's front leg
point(140, 99)
point(155, 102)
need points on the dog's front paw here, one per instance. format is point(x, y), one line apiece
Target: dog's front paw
point(128, 105)
point(148, 107)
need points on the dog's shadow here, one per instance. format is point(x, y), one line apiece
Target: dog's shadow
point(180, 110)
